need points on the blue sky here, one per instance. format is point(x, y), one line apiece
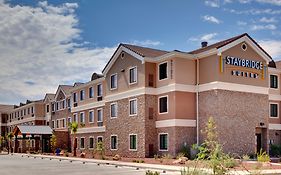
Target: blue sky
point(47, 43)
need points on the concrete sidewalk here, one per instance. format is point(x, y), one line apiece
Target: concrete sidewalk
point(154, 167)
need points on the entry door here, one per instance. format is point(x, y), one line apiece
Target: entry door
point(258, 140)
point(151, 150)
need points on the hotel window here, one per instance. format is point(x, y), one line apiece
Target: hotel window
point(74, 97)
point(274, 81)
point(53, 107)
point(63, 104)
point(273, 110)
point(163, 104)
point(99, 91)
point(163, 71)
point(82, 143)
point(82, 95)
point(91, 116)
point(28, 111)
point(113, 110)
point(91, 142)
point(63, 123)
point(75, 118)
point(99, 139)
point(113, 140)
point(163, 142)
point(133, 142)
point(133, 107)
point(100, 117)
point(82, 117)
point(32, 110)
point(113, 81)
point(69, 120)
point(58, 124)
point(24, 112)
point(48, 108)
point(133, 75)
point(53, 124)
point(57, 106)
point(91, 92)
point(68, 103)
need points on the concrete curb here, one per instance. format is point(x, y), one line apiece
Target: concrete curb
point(154, 167)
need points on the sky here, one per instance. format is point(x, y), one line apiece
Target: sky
point(47, 43)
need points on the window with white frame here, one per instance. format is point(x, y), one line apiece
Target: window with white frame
point(47, 108)
point(100, 115)
point(113, 141)
point(91, 142)
point(99, 90)
point(82, 95)
point(274, 81)
point(74, 97)
point(133, 142)
point(163, 104)
point(133, 75)
point(163, 142)
point(32, 110)
point(133, 106)
point(113, 81)
point(91, 92)
point(274, 110)
point(163, 71)
point(113, 110)
point(82, 117)
point(53, 124)
point(82, 142)
point(91, 116)
point(63, 123)
point(75, 119)
point(58, 124)
point(99, 139)
point(68, 103)
point(53, 108)
point(69, 120)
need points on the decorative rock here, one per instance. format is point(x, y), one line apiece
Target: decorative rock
point(116, 157)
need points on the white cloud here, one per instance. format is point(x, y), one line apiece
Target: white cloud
point(146, 43)
point(273, 47)
point(268, 20)
point(212, 3)
point(211, 19)
point(38, 50)
point(273, 2)
point(209, 37)
point(267, 11)
point(244, 1)
point(263, 27)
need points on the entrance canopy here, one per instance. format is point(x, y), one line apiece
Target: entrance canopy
point(32, 130)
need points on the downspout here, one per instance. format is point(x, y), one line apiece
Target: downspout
point(197, 101)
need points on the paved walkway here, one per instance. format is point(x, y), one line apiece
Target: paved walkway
point(154, 167)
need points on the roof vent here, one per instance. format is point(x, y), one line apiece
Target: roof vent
point(204, 44)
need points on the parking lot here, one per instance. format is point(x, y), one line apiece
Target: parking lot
point(23, 165)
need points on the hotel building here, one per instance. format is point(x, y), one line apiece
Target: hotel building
point(149, 101)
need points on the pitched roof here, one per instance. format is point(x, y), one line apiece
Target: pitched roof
point(50, 96)
point(145, 51)
point(33, 129)
point(225, 42)
point(66, 89)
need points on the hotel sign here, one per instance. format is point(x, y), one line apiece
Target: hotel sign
point(249, 68)
point(243, 62)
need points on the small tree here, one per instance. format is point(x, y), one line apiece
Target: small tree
point(53, 141)
point(212, 152)
point(10, 135)
point(74, 127)
point(100, 149)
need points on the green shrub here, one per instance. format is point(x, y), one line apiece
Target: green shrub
point(230, 162)
point(275, 150)
point(246, 157)
point(185, 150)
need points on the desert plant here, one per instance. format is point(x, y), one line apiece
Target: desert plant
point(74, 127)
point(156, 156)
point(10, 135)
point(185, 150)
point(246, 157)
point(148, 172)
point(192, 171)
point(100, 149)
point(53, 141)
point(179, 155)
point(262, 156)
